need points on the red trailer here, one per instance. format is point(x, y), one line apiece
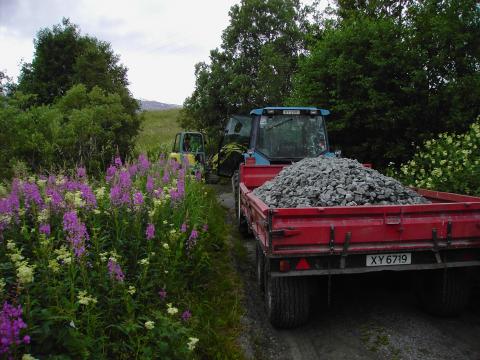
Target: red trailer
point(441, 238)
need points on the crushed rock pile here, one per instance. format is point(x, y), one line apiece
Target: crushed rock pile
point(328, 181)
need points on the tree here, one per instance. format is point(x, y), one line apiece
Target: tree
point(253, 68)
point(63, 58)
point(394, 74)
point(82, 127)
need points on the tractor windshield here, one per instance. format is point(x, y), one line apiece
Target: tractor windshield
point(291, 136)
point(193, 142)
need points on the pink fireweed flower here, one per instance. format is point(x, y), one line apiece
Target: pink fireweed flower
point(118, 161)
point(193, 235)
point(44, 229)
point(125, 180)
point(88, 196)
point(192, 240)
point(162, 293)
point(32, 195)
point(150, 232)
point(149, 186)
point(166, 177)
point(186, 315)
point(81, 172)
point(111, 171)
point(205, 227)
point(132, 169)
point(76, 232)
point(181, 188)
point(137, 198)
point(11, 323)
point(115, 270)
point(198, 175)
point(183, 228)
point(56, 200)
point(143, 163)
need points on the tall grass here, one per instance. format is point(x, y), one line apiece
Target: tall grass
point(158, 131)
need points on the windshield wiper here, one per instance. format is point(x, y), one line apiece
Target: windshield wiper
point(280, 123)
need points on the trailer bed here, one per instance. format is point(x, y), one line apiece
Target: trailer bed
point(346, 239)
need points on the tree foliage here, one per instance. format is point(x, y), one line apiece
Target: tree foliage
point(394, 73)
point(82, 127)
point(63, 58)
point(253, 67)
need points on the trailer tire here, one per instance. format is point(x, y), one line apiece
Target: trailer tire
point(287, 301)
point(260, 271)
point(445, 293)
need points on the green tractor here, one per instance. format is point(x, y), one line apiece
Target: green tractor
point(190, 145)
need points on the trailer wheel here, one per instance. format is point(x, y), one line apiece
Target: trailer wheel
point(287, 301)
point(260, 262)
point(444, 293)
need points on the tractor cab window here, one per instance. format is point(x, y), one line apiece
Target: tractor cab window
point(291, 136)
point(193, 143)
point(238, 130)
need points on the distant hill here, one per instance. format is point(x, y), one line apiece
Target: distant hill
point(155, 105)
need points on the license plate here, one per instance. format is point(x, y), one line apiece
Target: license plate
point(389, 259)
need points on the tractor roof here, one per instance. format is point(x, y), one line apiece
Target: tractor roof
point(265, 109)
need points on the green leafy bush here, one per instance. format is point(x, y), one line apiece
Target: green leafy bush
point(450, 163)
point(82, 127)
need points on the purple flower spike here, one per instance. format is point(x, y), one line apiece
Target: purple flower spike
point(143, 163)
point(11, 323)
point(198, 175)
point(81, 172)
point(186, 315)
point(76, 232)
point(150, 184)
point(166, 177)
point(115, 270)
point(118, 161)
point(111, 173)
point(205, 227)
point(137, 198)
point(183, 228)
point(45, 229)
point(150, 232)
point(162, 293)
point(193, 235)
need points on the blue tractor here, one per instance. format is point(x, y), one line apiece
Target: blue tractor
point(271, 135)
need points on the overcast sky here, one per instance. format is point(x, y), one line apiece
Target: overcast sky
point(158, 41)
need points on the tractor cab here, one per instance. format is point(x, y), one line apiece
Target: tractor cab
point(273, 135)
point(189, 145)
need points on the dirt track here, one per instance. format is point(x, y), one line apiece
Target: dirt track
point(371, 317)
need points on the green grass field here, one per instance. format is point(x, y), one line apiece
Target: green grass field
point(159, 129)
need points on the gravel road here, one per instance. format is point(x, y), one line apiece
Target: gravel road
point(371, 317)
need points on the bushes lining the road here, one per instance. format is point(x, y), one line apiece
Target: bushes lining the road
point(451, 163)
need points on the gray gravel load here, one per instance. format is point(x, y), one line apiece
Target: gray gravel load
point(329, 181)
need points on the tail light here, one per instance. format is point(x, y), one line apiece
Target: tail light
point(302, 264)
point(284, 266)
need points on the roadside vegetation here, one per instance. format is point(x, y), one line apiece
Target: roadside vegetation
point(449, 162)
point(132, 266)
point(104, 251)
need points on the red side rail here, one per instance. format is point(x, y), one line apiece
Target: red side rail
point(450, 221)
